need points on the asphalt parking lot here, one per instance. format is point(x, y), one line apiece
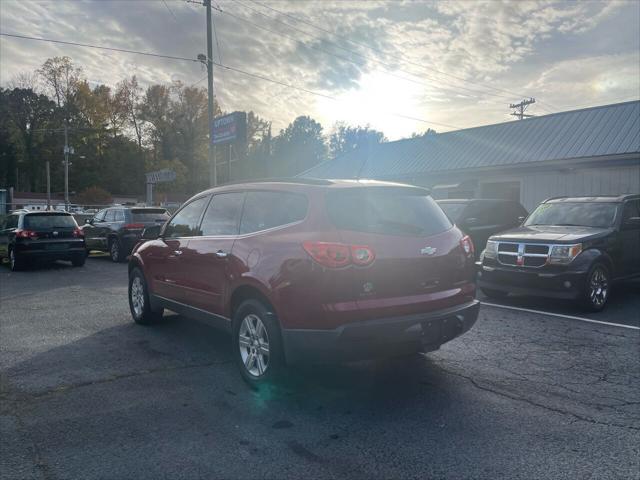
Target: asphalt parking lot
point(86, 393)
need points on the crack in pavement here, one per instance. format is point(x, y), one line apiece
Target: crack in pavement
point(22, 396)
point(536, 404)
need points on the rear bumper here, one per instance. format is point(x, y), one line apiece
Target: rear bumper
point(44, 254)
point(537, 282)
point(380, 337)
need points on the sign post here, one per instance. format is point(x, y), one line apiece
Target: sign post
point(229, 130)
point(159, 176)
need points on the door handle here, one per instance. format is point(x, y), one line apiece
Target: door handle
point(221, 254)
point(177, 252)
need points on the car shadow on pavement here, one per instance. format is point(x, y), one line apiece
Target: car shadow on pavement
point(180, 344)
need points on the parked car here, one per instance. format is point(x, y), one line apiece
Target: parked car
point(117, 229)
point(48, 236)
point(310, 270)
point(569, 247)
point(480, 218)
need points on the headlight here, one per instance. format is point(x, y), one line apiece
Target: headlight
point(564, 254)
point(491, 250)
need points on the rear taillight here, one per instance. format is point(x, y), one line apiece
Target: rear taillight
point(467, 246)
point(336, 255)
point(78, 232)
point(26, 234)
point(134, 226)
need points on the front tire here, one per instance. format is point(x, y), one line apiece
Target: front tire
point(139, 303)
point(115, 251)
point(78, 260)
point(597, 288)
point(257, 343)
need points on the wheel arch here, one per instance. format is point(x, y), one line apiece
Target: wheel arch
point(248, 291)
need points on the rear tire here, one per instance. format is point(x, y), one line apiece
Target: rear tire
point(257, 344)
point(139, 303)
point(78, 259)
point(16, 262)
point(115, 251)
point(596, 289)
point(491, 293)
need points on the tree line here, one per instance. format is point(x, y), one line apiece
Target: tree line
point(120, 133)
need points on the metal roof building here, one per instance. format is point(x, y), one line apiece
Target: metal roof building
point(581, 152)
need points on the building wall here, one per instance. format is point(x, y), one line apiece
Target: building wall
point(540, 183)
point(586, 181)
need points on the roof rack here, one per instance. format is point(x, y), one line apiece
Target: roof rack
point(297, 180)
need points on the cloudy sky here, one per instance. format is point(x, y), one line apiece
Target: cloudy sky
point(400, 66)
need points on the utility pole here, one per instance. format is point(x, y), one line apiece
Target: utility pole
point(521, 107)
point(213, 168)
point(66, 165)
point(48, 186)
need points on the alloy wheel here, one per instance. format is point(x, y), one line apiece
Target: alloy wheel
point(253, 340)
point(598, 287)
point(137, 296)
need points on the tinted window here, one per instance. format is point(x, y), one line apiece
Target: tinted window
point(579, 213)
point(47, 221)
point(149, 215)
point(119, 216)
point(631, 209)
point(100, 216)
point(185, 223)
point(263, 210)
point(12, 221)
point(223, 214)
point(110, 216)
point(388, 211)
point(453, 210)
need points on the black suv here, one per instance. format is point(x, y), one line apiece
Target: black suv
point(117, 229)
point(572, 248)
point(480, 218)
point(42, 235)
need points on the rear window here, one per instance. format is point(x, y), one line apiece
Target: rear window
point(149, 215)
point(386, 211)
point(46, 221)
point(453, 210)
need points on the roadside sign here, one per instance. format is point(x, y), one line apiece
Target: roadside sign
point(231, 128)
point(160, 176)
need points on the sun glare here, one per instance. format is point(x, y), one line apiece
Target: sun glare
point(376, 100)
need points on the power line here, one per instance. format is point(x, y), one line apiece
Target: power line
point(88, 45)
point(220, 65)
point(430, 69)
point(170, 11)
point(215, 34)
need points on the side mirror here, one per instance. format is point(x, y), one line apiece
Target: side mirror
point(88, 221)
point(631, 223)
point(471, 221)
point(151, 233)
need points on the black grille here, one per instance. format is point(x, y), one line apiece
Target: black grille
point(507, 259)
point(508, 247)
point(541, 249)
point(534, 261)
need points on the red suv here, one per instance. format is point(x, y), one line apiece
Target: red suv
point(310, 270)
